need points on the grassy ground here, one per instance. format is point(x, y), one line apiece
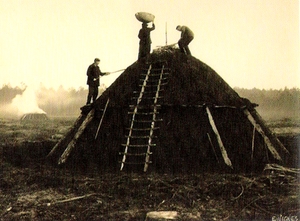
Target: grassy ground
point(32, 190)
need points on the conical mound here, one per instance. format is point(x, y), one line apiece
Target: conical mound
point(171, 114)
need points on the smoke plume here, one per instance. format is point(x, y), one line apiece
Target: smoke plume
point(22, 104)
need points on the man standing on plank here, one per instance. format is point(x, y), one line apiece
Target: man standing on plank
point(186, 37)
point(145, 40)
point(93, 81)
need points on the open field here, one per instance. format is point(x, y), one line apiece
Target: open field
point(30, 189)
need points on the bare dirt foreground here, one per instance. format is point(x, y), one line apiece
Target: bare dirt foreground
point(32, 190)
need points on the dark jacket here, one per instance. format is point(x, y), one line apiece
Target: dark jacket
point(186, 32)
point(144, 35)
point(94, 72)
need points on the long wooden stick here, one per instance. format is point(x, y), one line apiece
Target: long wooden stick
point(71, 199)
point(107, 102)
point(221, 145)
point(72, 144)
point(262, 133)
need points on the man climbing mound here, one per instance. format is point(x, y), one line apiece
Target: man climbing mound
point(186, 37)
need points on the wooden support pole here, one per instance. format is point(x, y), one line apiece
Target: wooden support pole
point(267, 131)
point(67, 137)
point(252, 145)
point(107, 102)
point(213, 147)
point(72, 144)
point(221, 145)
point(262, 133)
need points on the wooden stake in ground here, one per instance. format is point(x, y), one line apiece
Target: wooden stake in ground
point(72, 144)
point(262, 133)
point(221, 145)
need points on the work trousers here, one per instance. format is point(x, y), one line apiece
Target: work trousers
point(183, 44)
point(144, 51)
point(93, 93)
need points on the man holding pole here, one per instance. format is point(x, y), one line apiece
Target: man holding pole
point(93, 81)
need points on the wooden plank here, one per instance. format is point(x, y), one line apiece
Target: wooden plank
point(79, 132)
point(262, 133)
point(221, 145)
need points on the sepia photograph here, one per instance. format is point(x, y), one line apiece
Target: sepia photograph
point(149, 110)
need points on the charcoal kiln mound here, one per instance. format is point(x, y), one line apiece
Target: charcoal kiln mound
point(171, 114)
point(34, 117)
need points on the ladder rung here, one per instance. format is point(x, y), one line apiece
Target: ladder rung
point(155, 69)
point(148, 85)
point(135, 154)
point(162, 84)
point(149, 98)
point(135, 163)
point(149, 113)
point(141, 137)
point(156, 80)
point(144, 107)
point(148, 121)
point(152, 85)
point(138, 145)
point(142, 129)
point(147, 92)
point(165, 73)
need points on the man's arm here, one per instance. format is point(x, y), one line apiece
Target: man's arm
point(153, 27)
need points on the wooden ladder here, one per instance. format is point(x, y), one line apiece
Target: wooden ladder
point(144, 118)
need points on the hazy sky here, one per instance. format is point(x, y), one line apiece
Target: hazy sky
point(250, 43)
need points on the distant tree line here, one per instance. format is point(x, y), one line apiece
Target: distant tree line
point(7, 93)
point(274, 104)
point(283, 103)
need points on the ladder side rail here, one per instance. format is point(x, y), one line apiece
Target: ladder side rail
point(153, 121)
point(133, 116)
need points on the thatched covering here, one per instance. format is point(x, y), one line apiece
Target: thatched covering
point(204, 122)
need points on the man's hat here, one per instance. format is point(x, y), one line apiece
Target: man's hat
point(96, 59)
